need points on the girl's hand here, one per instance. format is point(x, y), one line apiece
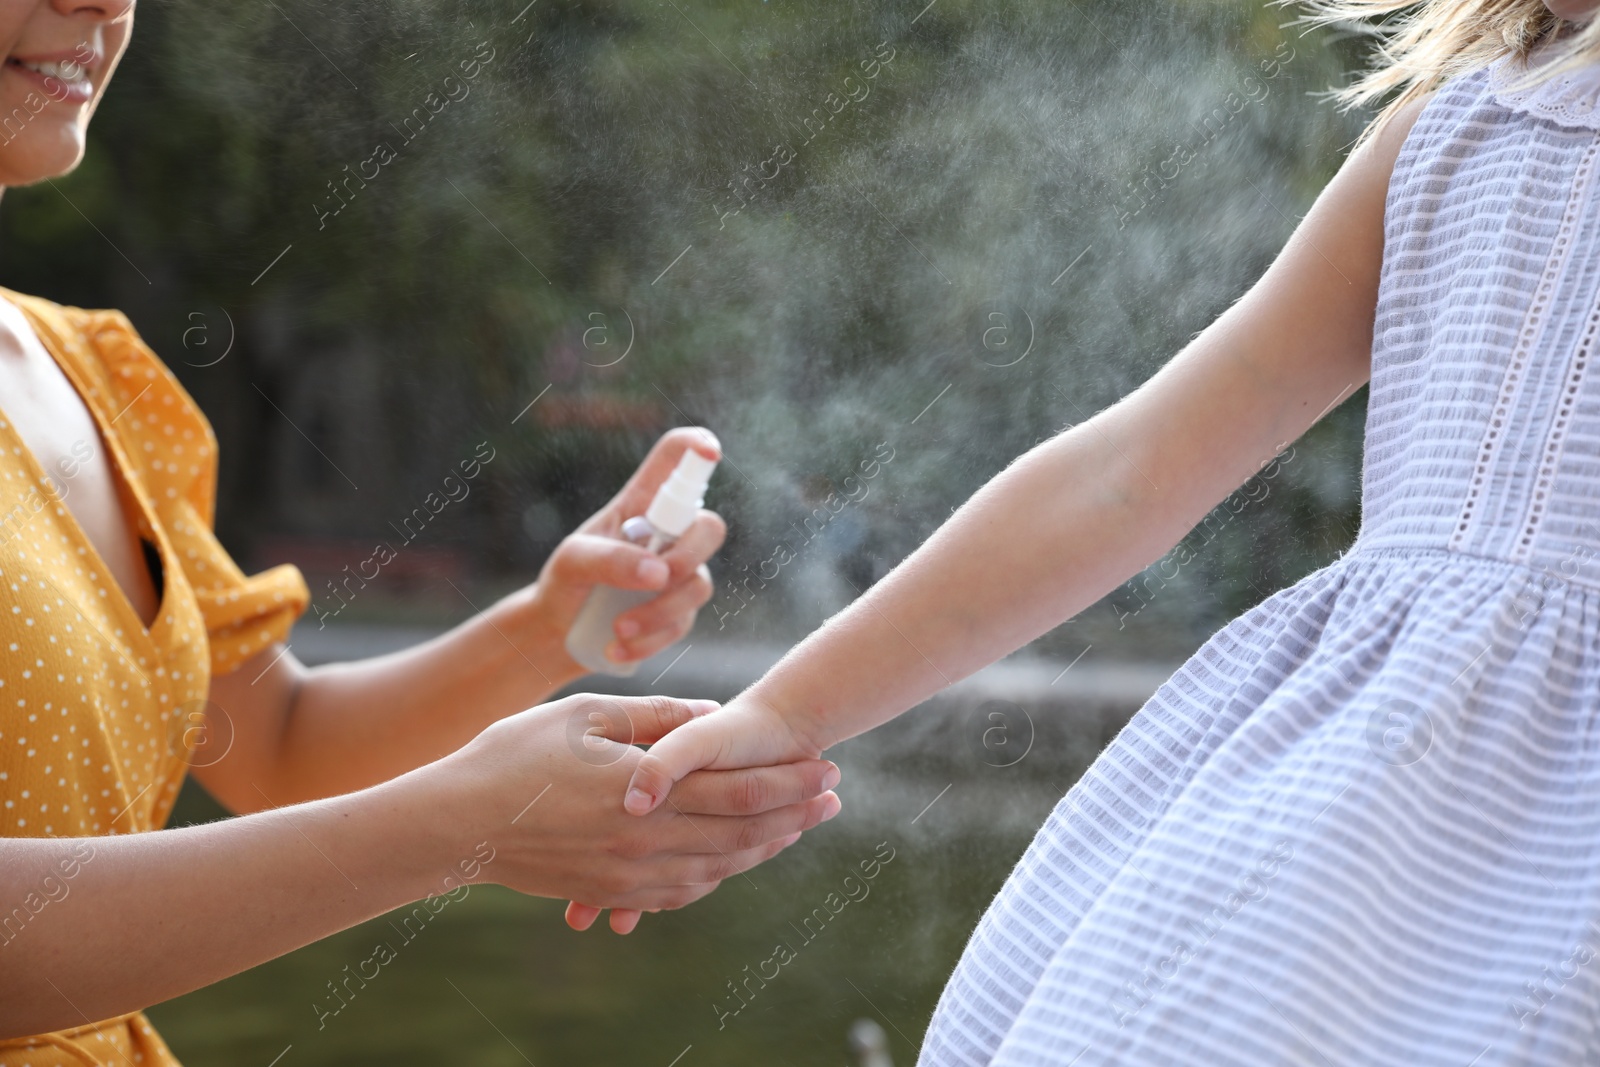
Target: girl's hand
point(745, 733)
point(541, 788)
point(595, 554)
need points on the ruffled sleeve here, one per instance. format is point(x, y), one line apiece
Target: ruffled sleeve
point(174, 449)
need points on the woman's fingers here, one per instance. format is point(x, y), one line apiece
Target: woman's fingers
point(680, 600)
point(685, 879)
point(623, 920)
point(666, 898)
point(696, 545)
point(638, 720)
point(645, 630)
point(584, 560)
point(595, 554)
point(723, 835)
point(660, 898)
point(690, 877)
point(635, 496)
point(753, 790)
point(714, 867)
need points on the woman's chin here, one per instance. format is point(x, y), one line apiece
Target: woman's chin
point(39, 160)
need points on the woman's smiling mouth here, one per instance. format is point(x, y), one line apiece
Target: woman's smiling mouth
point(63, 77)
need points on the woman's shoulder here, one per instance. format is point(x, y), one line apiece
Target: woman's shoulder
point(100, 343)
point(165, 433)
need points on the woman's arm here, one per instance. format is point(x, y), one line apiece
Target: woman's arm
point(295, 734)
point(1076, 517)
point(94, 927)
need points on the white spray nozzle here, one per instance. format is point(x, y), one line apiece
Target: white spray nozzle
point(678, 500)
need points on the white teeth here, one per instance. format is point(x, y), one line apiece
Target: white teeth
point(65, 69)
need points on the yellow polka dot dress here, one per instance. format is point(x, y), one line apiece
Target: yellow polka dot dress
point(98, 713)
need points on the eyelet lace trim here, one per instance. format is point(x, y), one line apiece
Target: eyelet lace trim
point(1495, 434)
point(1558, 432)
point(1571, 98)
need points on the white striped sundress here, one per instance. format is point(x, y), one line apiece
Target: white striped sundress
point(1361, 825)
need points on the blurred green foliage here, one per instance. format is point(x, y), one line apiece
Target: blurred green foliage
point(603, 139)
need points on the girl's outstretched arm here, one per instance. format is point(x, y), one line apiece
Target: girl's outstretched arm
point(1074, 518)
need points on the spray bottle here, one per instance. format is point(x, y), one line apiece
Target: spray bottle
point(672, 511)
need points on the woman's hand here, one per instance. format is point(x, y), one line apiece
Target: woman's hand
point(302, 734)
point(533, 802)
point(595, 554)
point(543, 787)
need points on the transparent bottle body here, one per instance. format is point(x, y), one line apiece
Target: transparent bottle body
point(592, 630)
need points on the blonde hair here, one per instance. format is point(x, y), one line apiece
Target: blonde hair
point(1421, 44)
